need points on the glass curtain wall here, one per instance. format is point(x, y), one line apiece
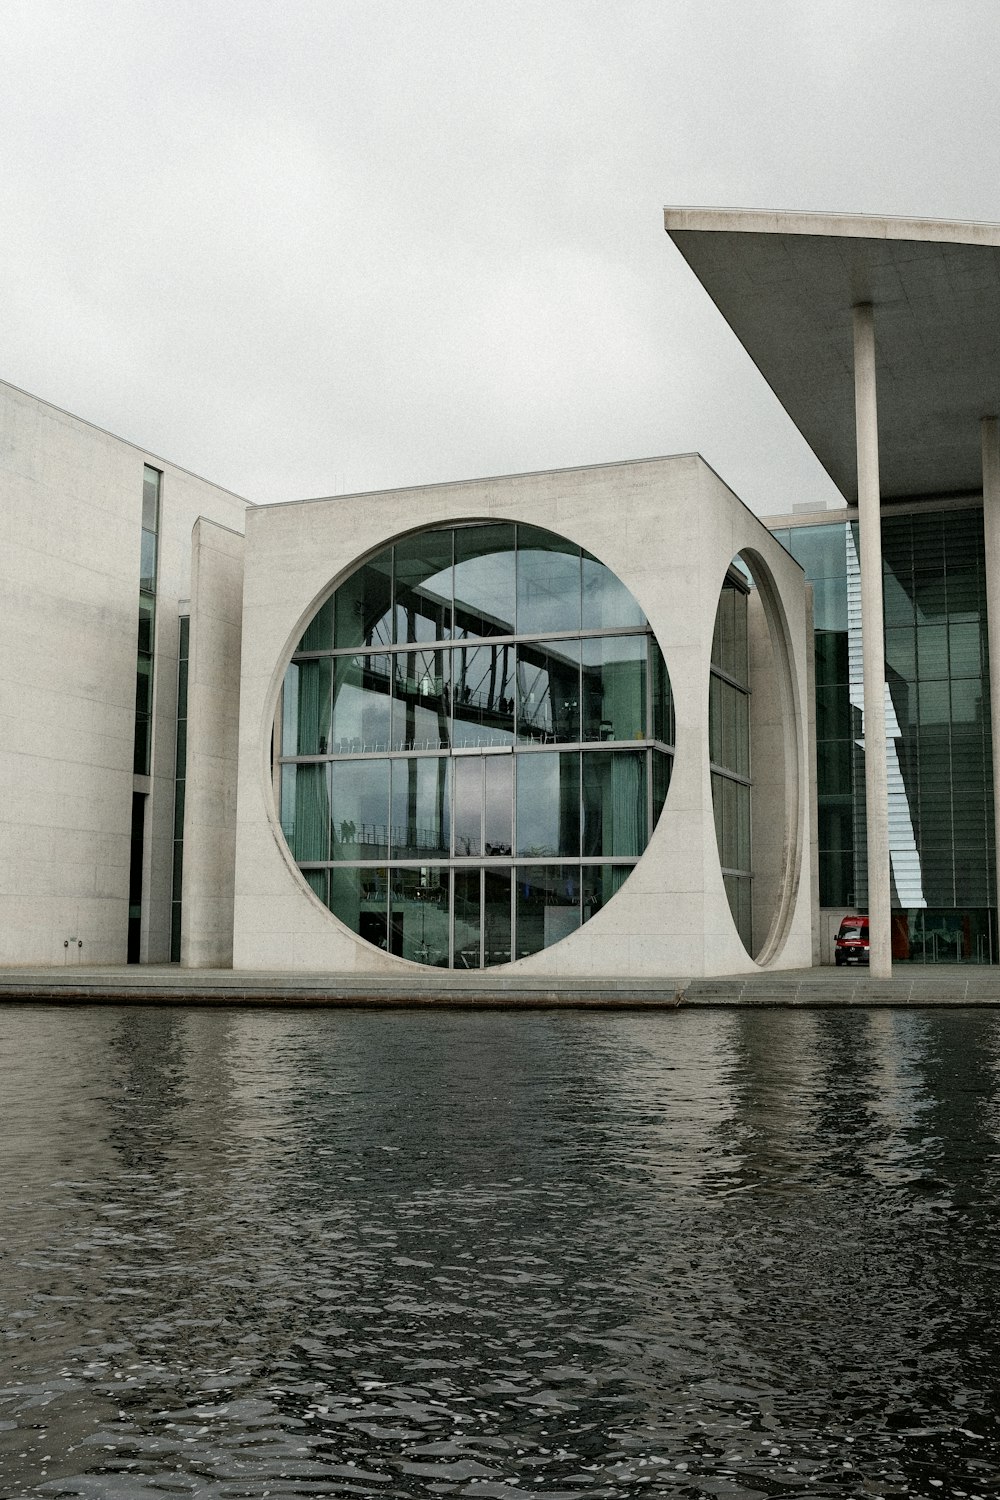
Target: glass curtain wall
point(938, 743)
point(475, 743)
point(729, 749)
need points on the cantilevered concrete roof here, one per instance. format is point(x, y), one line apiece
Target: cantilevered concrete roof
point(786, 284)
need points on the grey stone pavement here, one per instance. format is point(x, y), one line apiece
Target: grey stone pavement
point(167, 984)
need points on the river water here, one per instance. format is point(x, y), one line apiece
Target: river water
point(341, 1253)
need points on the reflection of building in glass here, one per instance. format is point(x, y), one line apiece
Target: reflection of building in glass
point(399, 766)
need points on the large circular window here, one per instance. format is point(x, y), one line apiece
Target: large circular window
point(475, 740)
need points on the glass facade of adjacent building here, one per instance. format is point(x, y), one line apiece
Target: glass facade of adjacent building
point(938, 739)
point(474, 744)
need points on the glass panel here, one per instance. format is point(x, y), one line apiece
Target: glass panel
point(741, 731)
point(420, 700)
point(418, 916)
point(833, 766)
point(662, 767)
point(179, 786)
point(932, 650)
point(664, 728)
point(741, 654)
point(963, 642)
point(496, 917)
point(423, 586)
point(468, 821)
point(359, 808)
point(934, 704)
point(607, 603)
point(715, 736)
point(548, 803)
point(548, 582)
point(360, 716)
point(361, 605)
point(963, 593)
point(901, 651)
point(548, 692)
point(147, 562)
point(498, 810)
point(836, 877)
point(181, 749)
point(318, 635)
point(147, 612)
point(290, 712)
point(830, 604)
point(614, 803)
point(929, 596)
point(968, 702)
point(468, 913)
point(898, 599)
point(306, 709)
point(305, 811)
point(483, 695)
point(738, 891)
point(548, 905)
point(360, 898)
point(833, 713)
point(421, 807)
point(150, 499)
point(820, 550)
point(182, 688)
point(144, 686)
point(614, 688)
point(599, 883)
point(831, 658)
point(484, 580)
point(742, 833)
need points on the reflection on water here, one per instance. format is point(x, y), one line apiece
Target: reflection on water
point(687, 1254)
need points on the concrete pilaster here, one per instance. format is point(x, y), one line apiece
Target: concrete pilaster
point(990, 430)
point(872, 641)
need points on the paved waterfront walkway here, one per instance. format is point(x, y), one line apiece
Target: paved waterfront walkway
point(168, 984)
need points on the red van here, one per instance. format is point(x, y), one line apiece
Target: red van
point(852, 945)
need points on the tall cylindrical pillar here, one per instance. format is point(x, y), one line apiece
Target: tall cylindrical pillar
point(990, 431)
point(872, 642)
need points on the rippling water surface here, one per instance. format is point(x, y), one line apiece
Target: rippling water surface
point(300, 1253)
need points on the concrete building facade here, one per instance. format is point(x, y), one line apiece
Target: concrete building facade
point(89, 603)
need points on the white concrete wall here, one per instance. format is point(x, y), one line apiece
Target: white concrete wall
point(70, 522)
point(669, 529)
point(213, 716)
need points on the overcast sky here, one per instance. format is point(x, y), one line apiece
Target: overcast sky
point(308, 248)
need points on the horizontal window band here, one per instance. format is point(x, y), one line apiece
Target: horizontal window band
point(462, 752)
point(479, 862)
point(457, 643)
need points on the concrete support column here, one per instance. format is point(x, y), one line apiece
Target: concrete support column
point(990, 431)
point(872, 642)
